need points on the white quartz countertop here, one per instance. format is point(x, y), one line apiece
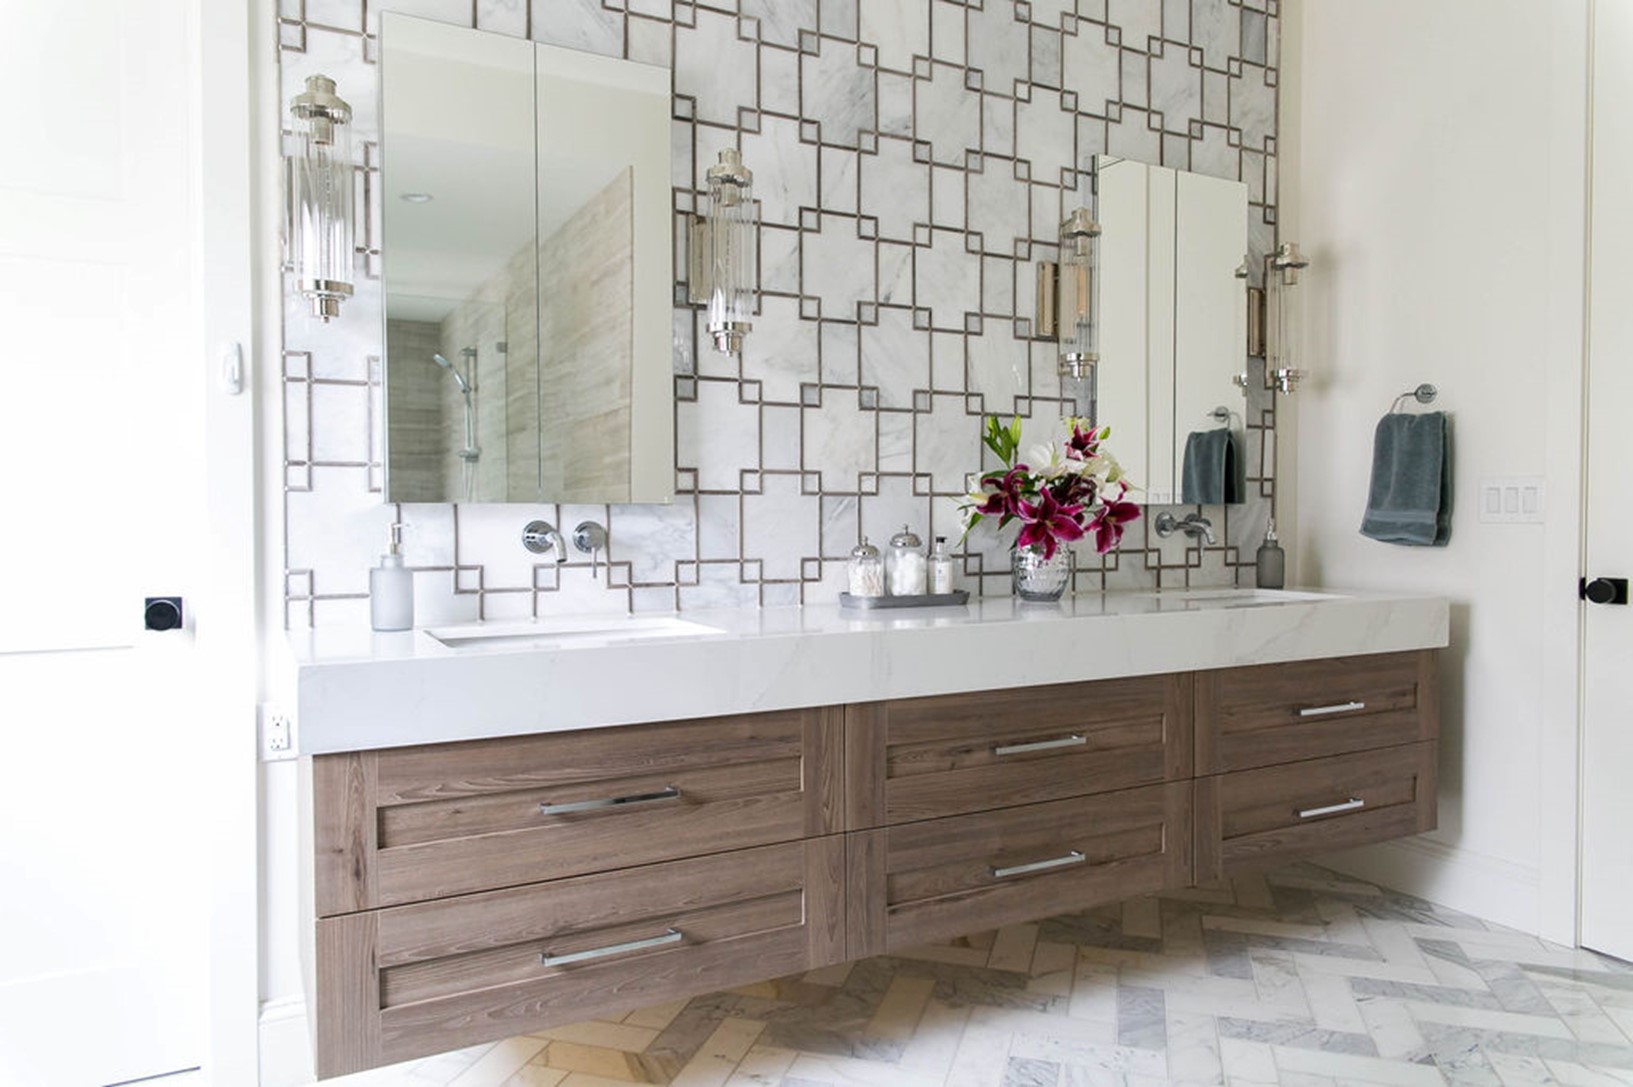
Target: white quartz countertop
point(359, 690)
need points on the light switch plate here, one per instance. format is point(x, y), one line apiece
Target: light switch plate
point(1512, 500)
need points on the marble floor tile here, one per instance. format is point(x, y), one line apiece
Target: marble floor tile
point(500, 1063)
point(1352, 1067)
point(1300, 977)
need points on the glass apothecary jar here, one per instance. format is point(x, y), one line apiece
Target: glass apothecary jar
point(906, 566)
point(865, 570)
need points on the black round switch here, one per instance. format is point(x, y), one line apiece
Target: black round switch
point(162, 613)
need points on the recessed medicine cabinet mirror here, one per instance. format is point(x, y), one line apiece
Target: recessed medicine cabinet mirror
point(1173, 318)
point(527, 266)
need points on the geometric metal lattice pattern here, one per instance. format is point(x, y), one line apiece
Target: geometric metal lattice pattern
point(913, 158)
point(1302, 977)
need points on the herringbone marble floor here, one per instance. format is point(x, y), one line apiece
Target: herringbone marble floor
point(1300, 977)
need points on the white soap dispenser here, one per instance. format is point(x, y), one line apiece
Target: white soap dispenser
point(391, 588)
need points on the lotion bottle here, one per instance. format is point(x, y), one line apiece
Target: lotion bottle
point(391, 588)
point(1272, 561)
point(941, 568)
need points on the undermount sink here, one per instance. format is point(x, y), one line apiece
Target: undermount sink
point(548, 633)
point(1239, 598)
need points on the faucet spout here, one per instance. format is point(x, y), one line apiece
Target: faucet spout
point(1193, 525)
point(541, 536)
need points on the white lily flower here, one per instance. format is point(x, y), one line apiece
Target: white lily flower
point(1113, 470)
point(1046, 461)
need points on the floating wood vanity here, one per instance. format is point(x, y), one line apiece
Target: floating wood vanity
point(469, 891)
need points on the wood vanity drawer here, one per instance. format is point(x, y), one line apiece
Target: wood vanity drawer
point(1278, 713)
point(925, 758)
point(1261, 818)
point(411, 824)
point(932, 880)
point(412, 980)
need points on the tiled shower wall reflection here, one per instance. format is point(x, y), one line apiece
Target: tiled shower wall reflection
point(913, 158)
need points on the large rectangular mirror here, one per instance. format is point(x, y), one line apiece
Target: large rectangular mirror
point(1173, 328)
point(527, 257)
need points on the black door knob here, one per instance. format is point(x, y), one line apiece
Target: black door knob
point(162, 613)
point(1605, 590)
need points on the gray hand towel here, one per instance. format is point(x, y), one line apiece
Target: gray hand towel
point(1410, 500)
point(1208, 473)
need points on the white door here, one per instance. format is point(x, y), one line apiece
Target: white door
point(103, 892)
point(1607, 741)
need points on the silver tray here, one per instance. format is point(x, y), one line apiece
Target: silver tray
point(956, 598)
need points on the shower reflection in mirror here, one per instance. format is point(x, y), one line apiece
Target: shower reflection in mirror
point(470, 452)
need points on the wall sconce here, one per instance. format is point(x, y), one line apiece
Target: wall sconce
point(1274, 318)
point(723, 267)
point(1066, 308)
point(320, 239)
point(1281, 283)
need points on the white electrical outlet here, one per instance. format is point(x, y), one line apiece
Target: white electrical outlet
point(277, 732)
point(1512, 500)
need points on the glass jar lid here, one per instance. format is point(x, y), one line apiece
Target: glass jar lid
point(864, 550)
point(906, 538)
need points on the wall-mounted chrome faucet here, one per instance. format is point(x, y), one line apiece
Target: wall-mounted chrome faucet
point(1193, 525)
point(541, 536)
point(591, 538)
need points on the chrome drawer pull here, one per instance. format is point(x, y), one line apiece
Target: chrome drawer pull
point(1332, 809)
point(671, 792)
point(1074, 857)
point(672, 936)
point(1074, 740)
point(1322, 711)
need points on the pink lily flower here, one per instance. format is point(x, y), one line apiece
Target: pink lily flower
point(1108, 521)
point(1048, 524)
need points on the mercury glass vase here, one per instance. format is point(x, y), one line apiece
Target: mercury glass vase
point(1037, 578)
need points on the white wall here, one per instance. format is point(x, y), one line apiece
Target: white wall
point(1433, 171)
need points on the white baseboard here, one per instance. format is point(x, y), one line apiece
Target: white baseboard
point(286, 1045)
point(1490, 888)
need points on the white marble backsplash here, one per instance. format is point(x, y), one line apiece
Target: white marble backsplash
point(912, 158)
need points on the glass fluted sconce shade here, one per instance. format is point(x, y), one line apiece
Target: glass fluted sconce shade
point(320, 237)
point(1283, 366)
point(730, 237)
point(1079, 316)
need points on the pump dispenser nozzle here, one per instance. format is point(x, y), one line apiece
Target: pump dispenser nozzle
point(394, 542)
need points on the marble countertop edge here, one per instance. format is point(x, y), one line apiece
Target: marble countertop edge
point(356, 690)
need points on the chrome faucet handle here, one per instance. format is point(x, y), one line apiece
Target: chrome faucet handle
point(1164, 524)
point(591, 538)
point(541, 536)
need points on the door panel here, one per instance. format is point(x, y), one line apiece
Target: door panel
point(102, 924)
point(1607, 738)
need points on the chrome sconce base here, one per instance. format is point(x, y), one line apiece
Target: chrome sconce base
point(1078, 367)
point(1282, 380)
point(1285, 379)
point(729, 339)
point(325, 296)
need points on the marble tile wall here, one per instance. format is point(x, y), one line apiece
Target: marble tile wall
point(913, 159)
